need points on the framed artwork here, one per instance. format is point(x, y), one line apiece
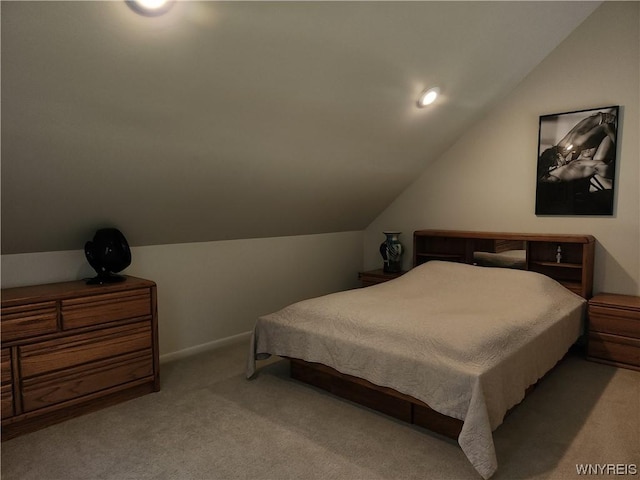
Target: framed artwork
point(576, 162)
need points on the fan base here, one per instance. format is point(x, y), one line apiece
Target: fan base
point(106, 278)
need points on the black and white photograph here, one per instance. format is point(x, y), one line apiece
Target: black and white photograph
point(576, 162)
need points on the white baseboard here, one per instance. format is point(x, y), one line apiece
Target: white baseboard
point(205, 347)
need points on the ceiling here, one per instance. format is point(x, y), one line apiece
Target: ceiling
point(225, 120)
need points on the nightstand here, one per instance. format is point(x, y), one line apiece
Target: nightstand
point(614, 330)
point(373, 277)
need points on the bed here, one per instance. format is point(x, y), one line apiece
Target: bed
point(450, 345)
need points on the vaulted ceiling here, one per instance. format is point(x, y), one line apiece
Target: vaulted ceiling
point(223, 120)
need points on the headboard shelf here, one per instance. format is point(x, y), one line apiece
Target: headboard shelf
point(567, 259)
point(450, 257)
point(557, 265)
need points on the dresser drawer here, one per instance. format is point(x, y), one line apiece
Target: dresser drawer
point(614, 348)
point(614, 320)
point(6, 401)
point(6, 388)
point(26, 321)
point(49, 356)
point(6, 366)
point(105, 308)
point(73, 383)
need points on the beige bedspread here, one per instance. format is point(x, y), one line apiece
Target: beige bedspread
point(466, 340)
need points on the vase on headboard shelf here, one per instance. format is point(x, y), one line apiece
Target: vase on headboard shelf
point(391, 250)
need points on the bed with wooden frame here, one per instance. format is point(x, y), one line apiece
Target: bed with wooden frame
point(567, 259)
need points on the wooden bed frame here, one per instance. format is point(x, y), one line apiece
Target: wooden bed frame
point(574, 270)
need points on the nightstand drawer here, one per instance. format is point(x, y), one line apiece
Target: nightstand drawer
point(614, 320)
point(25, 321)
point(614, 348)
point(100, 309)
point(373, 277)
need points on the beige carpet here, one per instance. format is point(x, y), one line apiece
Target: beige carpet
point(208, 422)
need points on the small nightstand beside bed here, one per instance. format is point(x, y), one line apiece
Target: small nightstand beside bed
point(448, 346)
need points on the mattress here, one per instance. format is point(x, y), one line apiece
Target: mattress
point(467, 340)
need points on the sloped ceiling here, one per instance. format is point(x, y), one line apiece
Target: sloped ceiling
point(242, 119)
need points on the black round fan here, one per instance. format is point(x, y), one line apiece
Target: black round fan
point(108, 254)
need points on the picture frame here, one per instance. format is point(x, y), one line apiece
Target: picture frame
point(577, 162)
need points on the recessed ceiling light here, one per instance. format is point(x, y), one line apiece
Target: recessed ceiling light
point(150, 8)
point(428, 97)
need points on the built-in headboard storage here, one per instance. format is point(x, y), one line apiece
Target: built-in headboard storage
point(566, 258)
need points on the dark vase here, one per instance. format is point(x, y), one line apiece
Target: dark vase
point(391, 250)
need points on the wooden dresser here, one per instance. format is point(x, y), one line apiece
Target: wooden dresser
point(70, 348)
point(614, 330)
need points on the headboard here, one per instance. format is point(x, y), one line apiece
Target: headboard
point(567, 259)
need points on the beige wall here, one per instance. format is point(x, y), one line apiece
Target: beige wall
point(212, 291)
point(486, 181)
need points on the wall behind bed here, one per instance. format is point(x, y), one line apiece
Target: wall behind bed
point(486, 180)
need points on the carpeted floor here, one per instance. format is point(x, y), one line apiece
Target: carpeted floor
point(208, 422)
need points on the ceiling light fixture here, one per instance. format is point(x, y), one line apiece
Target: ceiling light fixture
point(150, 8)
point(428, 97)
